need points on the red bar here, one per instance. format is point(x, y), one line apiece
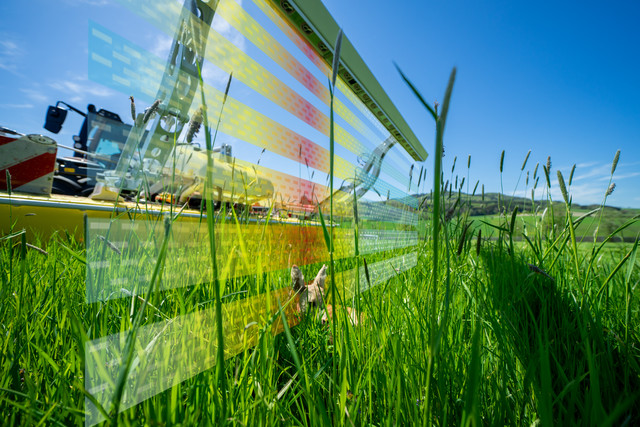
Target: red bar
point(29, 170)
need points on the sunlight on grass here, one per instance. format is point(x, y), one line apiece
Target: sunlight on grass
point(531, 316)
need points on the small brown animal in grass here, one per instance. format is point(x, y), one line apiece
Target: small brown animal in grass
point(311, 296)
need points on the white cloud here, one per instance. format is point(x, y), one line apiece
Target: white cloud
point(583, 194)
point(35, 94)
point(163, 43)
point(16, 106)
point(162, 46)
point(8, 47)
point(211, 73)
point(214, 75)
point(79, 88)
point(75, 90)
point(588, 186)
point(601, 172)
point(586, 165)
point(10, 54)
point(617, 177)
point(224, 28)
point(597, 171)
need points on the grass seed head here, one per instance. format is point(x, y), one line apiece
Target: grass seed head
point(151, 111)
point(546, 175)
point(450, 213)
point(133, 109)
point(463, 239)
point(336, 58)
point(563, 187)
point(501, 161)
point(614, 165)
point(194, 124)
point(226, 90)
point(538, 270)
point(611, 188)
point(524, 164)
point(573, 169)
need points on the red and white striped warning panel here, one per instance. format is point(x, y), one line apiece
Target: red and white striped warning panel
point(30, 161)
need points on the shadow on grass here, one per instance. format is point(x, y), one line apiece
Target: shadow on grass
point(578, 370)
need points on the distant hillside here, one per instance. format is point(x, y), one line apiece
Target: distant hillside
point(494, 203)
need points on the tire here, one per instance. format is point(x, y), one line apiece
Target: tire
point(64, 185)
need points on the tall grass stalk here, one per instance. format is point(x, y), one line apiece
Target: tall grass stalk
point(501, 183)
point(614, 165)
point(547, 175)
point(627, 304)
point(515, 188)
point(567, 203)
point(437, 182)
point(220, 363)
point(129, 348)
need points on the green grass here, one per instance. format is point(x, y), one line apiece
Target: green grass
point(499, 330)
point(516, 346)
point(611, 220)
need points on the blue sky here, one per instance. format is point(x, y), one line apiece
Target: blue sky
point(558, 78)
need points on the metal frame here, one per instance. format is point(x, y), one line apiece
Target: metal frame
point(313, 21)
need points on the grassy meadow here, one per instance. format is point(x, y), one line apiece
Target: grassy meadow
point(497, 324)
point(521, 335)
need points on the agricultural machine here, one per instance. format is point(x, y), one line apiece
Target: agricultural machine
point(98, 148)
point(113, 161)
point(153, 159)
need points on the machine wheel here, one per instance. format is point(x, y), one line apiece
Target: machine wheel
point(88, 184)
point(194, 203)
point(64, 185)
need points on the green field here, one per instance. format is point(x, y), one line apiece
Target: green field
point(489, 328)
point(496, 210)
point(509, 343)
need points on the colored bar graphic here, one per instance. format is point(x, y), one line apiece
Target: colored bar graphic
point(106, 65)
point(171, 351)
point(225, 55)
point(277, 106)
point(122, 254)
point(310, 53)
